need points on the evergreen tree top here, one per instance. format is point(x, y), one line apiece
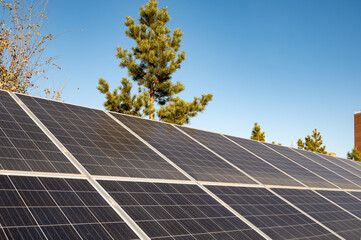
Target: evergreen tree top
point(151, 63)
point(312, 143)
point(257, 134)
point(354, 155)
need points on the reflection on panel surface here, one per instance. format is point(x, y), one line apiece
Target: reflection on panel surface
point(270, 214)
point(313, 166)
point(324, 211)
point(32, 208)
point(355, 180)
point(246, 161)
point(100, 144)
point(197, 161)
point(282, 163)
point(23, 145)
point(181, 211)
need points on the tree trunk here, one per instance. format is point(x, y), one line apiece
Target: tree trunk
point(151, 116)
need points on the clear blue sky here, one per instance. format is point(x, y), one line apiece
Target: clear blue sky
point(292, 66)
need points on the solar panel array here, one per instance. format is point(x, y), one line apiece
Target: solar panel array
point(100, 145)
point(71, 172)
point(192, 158)
point(23, 146)
point(57, 208)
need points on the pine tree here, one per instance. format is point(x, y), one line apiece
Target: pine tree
point(257, 134)
point(124, 101)
point(354, 155)
point(312, 143)
point(151, 64)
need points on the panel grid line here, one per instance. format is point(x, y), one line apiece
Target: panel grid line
point(95, 180)
point(27, 207)
point(350, 162)
point(150, 146)
point(265, 161)
point(334, 161)
point(1, 227)
point(190, 177)
point(102, 147)
point(23, 145)
point(75, 206)
point(174, 205)
point(94, 183)
point(300, 165)
point(306, 187)
point(317, 167)
point(329, 214)
point(344, 209)
point(78, 176)
point(309, 216)
point(299, 152)
point(219, 156)
point(271, 214)
point(234, 211)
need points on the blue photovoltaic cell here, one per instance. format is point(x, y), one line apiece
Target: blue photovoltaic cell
point(271, 214)
point(62, 208)
point(193, 158)
point(314, 166)
point(99, 143)
point(23, 145)
point(344, 165)
point(350, 162)
point(344, 200)
point(356, 194)
point(177, 211)
point(286, 165)
point(324, 211)
point(355, 180)
point(252, 165)
point(57, 208)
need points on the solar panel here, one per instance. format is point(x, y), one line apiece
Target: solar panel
point(352, 163)
point(316, 168)
point(167, 205)
point(57, 208)
point(270, 214)
point(340, 171)
point(23, 145)
point(343, 165)
point(179, 211)
point(101, 145)
point(196, 160)
point(344, 200)
point(323, 211)
point(356, 194)
point(252, 165)
point(286, 165)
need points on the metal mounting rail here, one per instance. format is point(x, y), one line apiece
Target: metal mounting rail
point(306, 214)
point(199, 184)
point(309, 170)
point(137, 230)
point(288, 175)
